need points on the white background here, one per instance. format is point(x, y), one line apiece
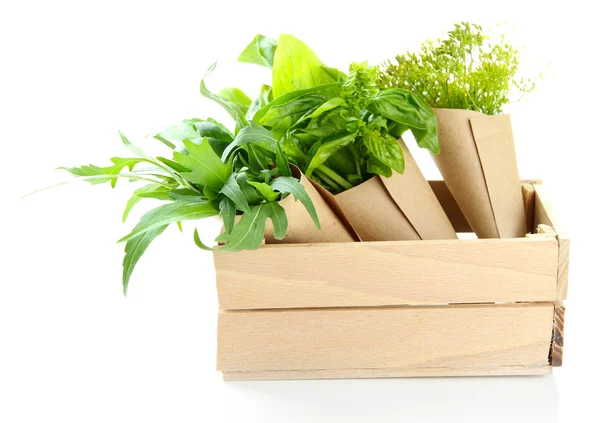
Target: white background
point(73, 349)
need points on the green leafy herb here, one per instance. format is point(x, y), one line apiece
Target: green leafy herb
point(260, 51)
point(465, 70)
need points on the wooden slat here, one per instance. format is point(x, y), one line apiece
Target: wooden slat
point(406, 338)
point(544, 214)
point(386, 373)
point(388, 273)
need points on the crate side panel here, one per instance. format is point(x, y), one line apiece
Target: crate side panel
point(450, 337)
point(388, 273)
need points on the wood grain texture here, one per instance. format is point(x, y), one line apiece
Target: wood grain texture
point(386, 373)
point(407, 338)
point(388, 273)
point(544, 214)
point(528, 201)
point(556, 352)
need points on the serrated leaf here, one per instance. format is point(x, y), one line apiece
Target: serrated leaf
point(290, 185)
point(232, 190)
point(178, 210)
point(104, 173)
point(134, 249)
point(260, 51)
point(206, 167)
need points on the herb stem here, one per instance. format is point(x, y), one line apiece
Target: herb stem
point(335, 177)
point(332, 186)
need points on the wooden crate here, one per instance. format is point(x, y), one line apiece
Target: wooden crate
point(397, 309)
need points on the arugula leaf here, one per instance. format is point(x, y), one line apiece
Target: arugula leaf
point(386, 149)
point(326, 149)
point(134, 249)
point(265, 190)
point(231, 108)
point(265, 97)
point(290, 185)
point(237, 97)
point(173, 165)
point(227, 213)
point(186, 194)
point(178, 210)
point(104, 174)
point(138, 194)
point(260, 51)
point(206, 167)
point(282, 161)
point(249, 191)
point(232, 190)
point(250, 231)
point(296, 67)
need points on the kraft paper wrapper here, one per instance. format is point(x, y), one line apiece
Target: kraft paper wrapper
point(479, 165)
point(403, 207)
point(301, 228)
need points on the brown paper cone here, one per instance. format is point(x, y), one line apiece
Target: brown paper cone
point(301, 228)
point(399, 208)
point(478, 163)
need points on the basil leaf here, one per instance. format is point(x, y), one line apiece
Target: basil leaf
point(328, 148)
point(330, 104)
point(264, 98)
point(134, 249)
point(293, 109)
point(290, 185)
point(260, 51)
point(296, 67)
point(375, 167)
point(206, 167)
point(178, 210)
point(232, 190)
point(386, 149)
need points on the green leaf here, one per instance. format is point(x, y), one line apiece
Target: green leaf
point(250, 230)
point(290, 185)
point(282, 127)
point(294, 109)
point(249, 191)
point(251, 135)
point(296, 67)
point(375, 167)
point(265, 190)
point(206, 167)
point(386, 149)
point(178, 210)
point(327, 124)
point(234, 111)
point(264, 98)
point(410, 111)
point(173, 164)
point(104, 174)
point(186, 194)
point(260, 51)
point(330, 104)
point(237, 97)
point(282, 161)
point(227, 213)
point(134, 249)
point(232, 190)
point(185, 130)
point(138, 194)
point(328, 148)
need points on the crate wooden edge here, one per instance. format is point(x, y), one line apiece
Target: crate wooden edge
point(385, 373)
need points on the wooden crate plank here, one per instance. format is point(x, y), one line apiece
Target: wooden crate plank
point(386, 373)
point(388, 273)
point(408, 338)
point(544, 214)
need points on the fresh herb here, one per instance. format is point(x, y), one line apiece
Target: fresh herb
point(340, 130)
point(212, 173)
point(466, 70)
